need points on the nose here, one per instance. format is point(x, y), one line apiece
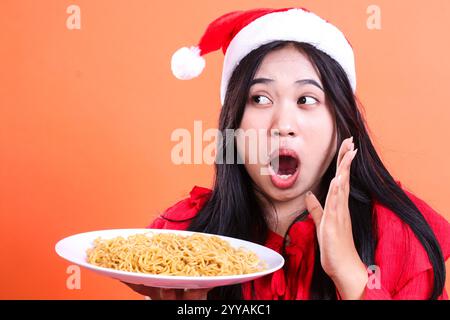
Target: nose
point(284, 124)
point(284, 131)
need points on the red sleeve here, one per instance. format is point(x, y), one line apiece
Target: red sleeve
point(405, 269)
point(418, 288)
point(179, 216)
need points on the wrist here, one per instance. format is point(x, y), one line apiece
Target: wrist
point(351, 282)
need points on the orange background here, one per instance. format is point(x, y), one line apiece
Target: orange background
point(86, 117)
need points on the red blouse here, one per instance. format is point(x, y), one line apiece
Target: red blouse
point(405, 270)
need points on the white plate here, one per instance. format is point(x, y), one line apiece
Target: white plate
point(74, 248)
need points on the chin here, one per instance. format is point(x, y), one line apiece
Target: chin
point(284, 195)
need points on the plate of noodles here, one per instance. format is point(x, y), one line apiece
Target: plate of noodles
point(169, 258)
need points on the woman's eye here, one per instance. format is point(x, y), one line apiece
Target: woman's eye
point(261, 100)
point(307, 100)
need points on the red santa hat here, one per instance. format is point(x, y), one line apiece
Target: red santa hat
point(240, 32)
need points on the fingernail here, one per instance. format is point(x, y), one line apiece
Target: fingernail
point(351, 145)
point(352, 156)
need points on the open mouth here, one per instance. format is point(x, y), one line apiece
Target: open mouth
point(284, 168)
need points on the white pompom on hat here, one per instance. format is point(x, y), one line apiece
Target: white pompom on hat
point(187, 63)
point(239, 32)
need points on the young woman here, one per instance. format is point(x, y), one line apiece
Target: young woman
point(329, 205)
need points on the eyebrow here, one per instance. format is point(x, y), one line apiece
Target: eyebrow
point(301, 82)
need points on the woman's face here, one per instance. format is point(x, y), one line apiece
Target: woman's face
point(286, 107)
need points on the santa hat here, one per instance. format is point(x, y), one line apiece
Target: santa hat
point(240, 32)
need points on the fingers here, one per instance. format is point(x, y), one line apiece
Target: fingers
point(343, 184)
point(342, 199)
point(330, 204)
point(183, 294)
point(347, 145)
point(169, 294)
point(314, 207)
point(344, 166)
point(152, 292)
point(186, 294)
point(197, 294)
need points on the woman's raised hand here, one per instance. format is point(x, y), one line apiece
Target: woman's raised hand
point(338, 254)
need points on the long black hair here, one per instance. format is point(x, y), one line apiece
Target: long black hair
point(234, 208)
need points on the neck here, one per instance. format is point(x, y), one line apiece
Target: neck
point(283, 213)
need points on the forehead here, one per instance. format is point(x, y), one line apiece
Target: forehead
point(287, 62)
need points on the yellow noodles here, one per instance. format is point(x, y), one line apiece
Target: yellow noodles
point(175, 255)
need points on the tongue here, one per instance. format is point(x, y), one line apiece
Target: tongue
point(287, 165)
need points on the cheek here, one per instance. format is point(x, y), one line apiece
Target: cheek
point(322, 142)
point(252, 136)
point(324, 137)
point(256, 119)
